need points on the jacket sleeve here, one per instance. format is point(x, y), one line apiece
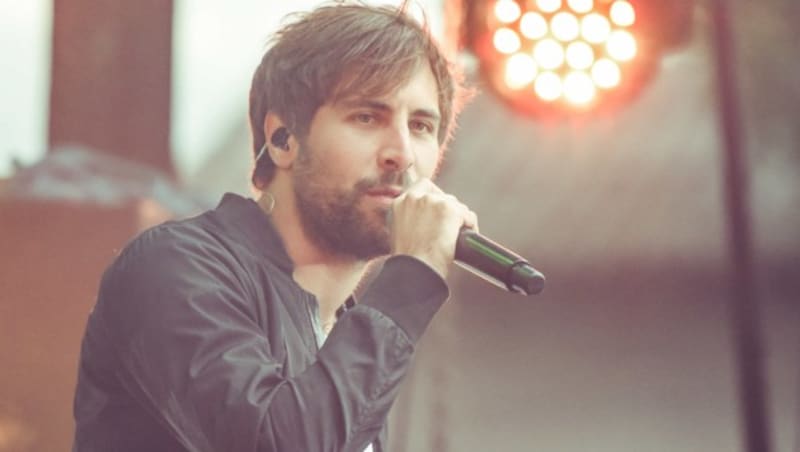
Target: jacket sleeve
point(193, 355)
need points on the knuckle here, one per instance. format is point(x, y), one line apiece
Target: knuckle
point(452, 199)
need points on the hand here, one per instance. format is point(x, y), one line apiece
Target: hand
point(426, 222)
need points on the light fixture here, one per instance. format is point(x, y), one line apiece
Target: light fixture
point(566, 55)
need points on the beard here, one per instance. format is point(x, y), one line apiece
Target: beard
point(334, 218)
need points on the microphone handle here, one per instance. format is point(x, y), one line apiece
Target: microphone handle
point(496, 264)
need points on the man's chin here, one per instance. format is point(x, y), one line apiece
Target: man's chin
point(376, 236)
point(376, 217)
point(365, 236)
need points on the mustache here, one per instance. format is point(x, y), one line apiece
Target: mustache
point(390, 178)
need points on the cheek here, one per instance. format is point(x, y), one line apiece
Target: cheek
point(428, 161)
point(333, 165)
point(341, 171)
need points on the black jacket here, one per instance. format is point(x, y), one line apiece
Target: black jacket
point(201, 341)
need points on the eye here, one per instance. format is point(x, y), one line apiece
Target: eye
point(421, 126)
point(364, 118)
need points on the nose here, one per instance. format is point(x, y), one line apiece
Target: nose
point(396, 154)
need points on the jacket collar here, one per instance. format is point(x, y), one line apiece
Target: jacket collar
point(253, 228)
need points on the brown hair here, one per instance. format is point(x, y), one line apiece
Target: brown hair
point(338, 50)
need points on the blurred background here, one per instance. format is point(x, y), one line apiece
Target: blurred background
point(649, 336)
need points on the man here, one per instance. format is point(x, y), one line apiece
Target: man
point(217, 333)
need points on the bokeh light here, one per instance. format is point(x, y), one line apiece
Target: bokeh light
point(565, 26)
point(621, 45)
point(506, 41)
point(580, 6)
point(622, 13)
point(507, 11)
point(579, 88)
point(548, 86)
point(606, 73)
point(520, 71)
point(595, 28)
point(561, 54)
point(548, 6)
point(533, 25)
point(548, 54)
point(579, 55)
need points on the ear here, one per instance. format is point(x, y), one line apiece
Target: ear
point(282, 156)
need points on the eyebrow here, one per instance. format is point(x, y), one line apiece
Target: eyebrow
point(377, 105)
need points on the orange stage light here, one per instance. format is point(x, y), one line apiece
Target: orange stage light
point(566, 55)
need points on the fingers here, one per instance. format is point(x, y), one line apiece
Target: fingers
point(426, 223)
point(424, 190)
point(471, 220)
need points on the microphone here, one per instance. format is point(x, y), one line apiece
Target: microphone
point(488, 259)
point(496, 264)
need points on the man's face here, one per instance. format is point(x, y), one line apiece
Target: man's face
point(355, 159)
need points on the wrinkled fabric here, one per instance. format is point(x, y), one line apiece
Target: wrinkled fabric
point(201, 341)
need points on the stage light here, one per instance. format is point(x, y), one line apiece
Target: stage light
point(622, 13)
point(548, 86)
point(621, 45)
point(579, 55)
point(579, 88)
point(521, 70)
point(549, 54)
point(563, 56)
point(533, 26)
point(580, 6)
point(548, 6)
point(605, 73)
point(507, 11)
point(506, 41)
point(595, 28)
point(565, 26)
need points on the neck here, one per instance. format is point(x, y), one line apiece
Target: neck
point(331, 284)
point(330, 278)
